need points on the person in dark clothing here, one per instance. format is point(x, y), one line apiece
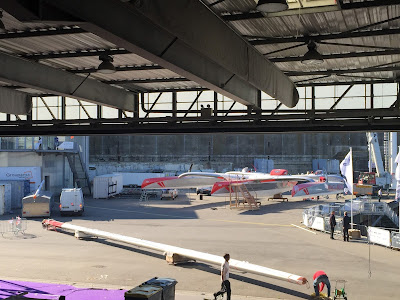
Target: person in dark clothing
point(225, 284)
point(346, 226)
point(332, 222)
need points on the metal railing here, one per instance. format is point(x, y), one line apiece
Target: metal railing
point(359, 207)
point(15, 226)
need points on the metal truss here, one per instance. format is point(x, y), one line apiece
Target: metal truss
point(389, 120)
point(176, 120)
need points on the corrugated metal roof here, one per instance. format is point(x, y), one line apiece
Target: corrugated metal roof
point(296, 24)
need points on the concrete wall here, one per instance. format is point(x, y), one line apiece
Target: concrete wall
point(222, 152)
point(20, 159)
point(53, 165)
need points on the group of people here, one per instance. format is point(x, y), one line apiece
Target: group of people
point(346, 225)
point(320, 280)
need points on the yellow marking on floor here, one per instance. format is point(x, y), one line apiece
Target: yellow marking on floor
point(142, 212)
point(303, 228)
point(183, 217)
point(244, 222)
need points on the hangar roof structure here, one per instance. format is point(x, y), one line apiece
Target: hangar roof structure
point(250, 59)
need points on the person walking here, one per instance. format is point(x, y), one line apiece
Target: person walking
point(346, 227)
point(225, 285)
point(320, 280)
point(332, 222)
point(379, 195)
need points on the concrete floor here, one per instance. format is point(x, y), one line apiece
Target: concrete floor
point(264, 237)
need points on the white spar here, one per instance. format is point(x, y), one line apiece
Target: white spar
point(192, 254)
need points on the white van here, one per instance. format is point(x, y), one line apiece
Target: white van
point(170, 193)
point(72, 202)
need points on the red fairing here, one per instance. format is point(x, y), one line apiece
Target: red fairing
point(276, 172)
point(322, 179)
point(158, 180)
point(220, 185)
point(225, 185)
point(51, 222)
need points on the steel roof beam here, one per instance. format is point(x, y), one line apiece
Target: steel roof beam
point(240, 16)
point(134, 126)
point(321, 37)
point(30, 74)
point(74, 53)
point(167, 90)
point(333, 83)
point(365, 4)
point(118, 69)
point(221, 61)
point(42, 32)
point(348, 71)
point(150, 80)
point(339, 55)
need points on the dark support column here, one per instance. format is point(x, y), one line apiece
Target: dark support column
point(63, 108)
point(174, 104)
point(120, 113)
point(99, 111)
point(249, 109)
point(215, 104)
point(136, 105)
point(8, 117)
point(372, 95)
point(29, 114)
point(398, 97)
point(258, 101)
point(313, 99)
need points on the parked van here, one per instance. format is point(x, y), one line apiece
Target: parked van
point(72, 202)
point(169, 193)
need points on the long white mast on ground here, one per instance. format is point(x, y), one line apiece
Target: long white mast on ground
point(170, 250)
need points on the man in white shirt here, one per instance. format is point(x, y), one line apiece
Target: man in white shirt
point(225, 285)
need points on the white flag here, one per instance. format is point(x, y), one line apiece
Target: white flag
point(346, 168)
point(397, 176)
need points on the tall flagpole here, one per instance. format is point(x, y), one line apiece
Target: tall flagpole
point(351, 201)
point(346, 168)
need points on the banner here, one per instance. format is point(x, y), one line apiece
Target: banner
point(379, 236)
point(397, 176)
point(346, 168)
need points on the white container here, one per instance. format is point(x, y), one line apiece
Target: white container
point(72, 201)
point(17, 192)
point(137, 178)
point(107, 185)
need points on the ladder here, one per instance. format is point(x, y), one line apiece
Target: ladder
point(144, 197)
point(78, 169)
point(248, 198)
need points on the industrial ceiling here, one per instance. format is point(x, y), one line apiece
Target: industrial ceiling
point(227, 46)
